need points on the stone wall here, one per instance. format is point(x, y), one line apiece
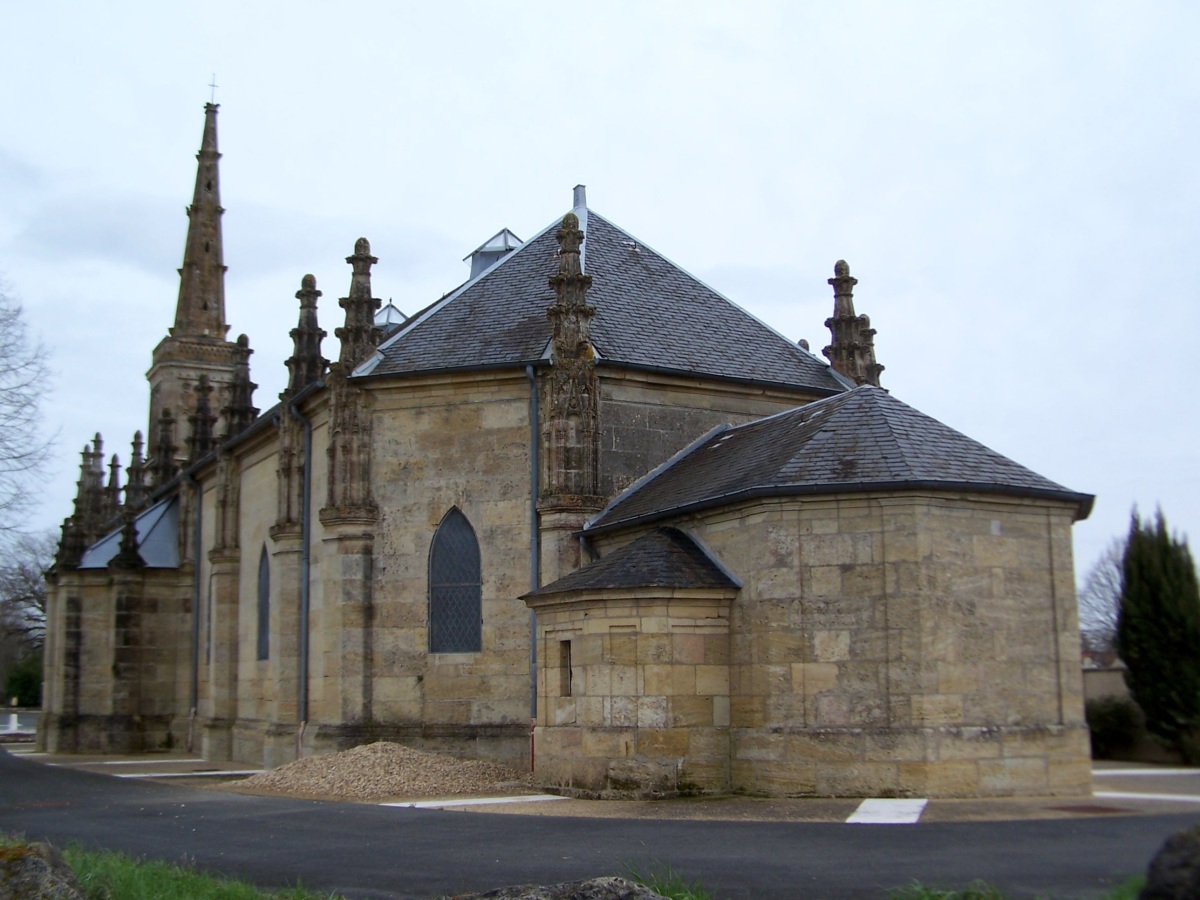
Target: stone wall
point(634, 690)
point(881, 645)
point(646, 417)
point(903, 645)
point(113, 670)
point(439, 444)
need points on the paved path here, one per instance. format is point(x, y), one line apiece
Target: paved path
point(367, 851)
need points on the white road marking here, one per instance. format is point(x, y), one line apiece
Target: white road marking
point(134, 762)
point(475, 801)
point(1099, 773)
point(887, 812)
point(1121, 795)
point(209, 774)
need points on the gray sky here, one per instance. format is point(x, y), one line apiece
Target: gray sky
point(1014, 184)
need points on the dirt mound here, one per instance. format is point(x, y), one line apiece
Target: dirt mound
point(383, 771)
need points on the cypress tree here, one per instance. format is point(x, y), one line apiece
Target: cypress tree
point(1158, 634)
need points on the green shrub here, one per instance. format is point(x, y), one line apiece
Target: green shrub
point(25, 682)
point(1115, 724)
point(1158, 630)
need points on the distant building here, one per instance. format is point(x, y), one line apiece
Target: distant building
point(581, 488)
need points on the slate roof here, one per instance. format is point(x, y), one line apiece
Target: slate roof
point(666, 558)
point(862, 440)
point(649, 314)
point(158, 535)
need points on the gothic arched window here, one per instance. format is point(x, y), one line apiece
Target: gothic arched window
point(264, 606)
point(455, 587)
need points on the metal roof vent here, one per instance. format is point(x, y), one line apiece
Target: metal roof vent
point(389, 318)
point(491, 251)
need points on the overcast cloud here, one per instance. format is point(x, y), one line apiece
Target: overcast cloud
point(1014, 184)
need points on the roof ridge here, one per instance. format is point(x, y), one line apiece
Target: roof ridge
point(438, 305)
point(720, 294)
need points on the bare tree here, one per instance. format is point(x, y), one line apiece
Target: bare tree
point(1100, 597)
point(23, 381)
point(23, 607)
point(23, 589)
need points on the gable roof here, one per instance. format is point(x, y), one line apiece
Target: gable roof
point(650, 314)
point(862, 440)
point(157, 536)
point(664, 558)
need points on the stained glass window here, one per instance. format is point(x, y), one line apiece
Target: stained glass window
point(455, 587)
point(264, 606)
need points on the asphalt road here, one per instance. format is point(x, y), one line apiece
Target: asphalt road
point(363, 851)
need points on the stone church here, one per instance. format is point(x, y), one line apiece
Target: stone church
point(581, 513)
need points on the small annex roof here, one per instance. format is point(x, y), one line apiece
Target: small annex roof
point(862, 440)
point(158, 535)
point(664, 558)
point(650, 314)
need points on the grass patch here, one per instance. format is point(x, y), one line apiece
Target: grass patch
point(1128, 889)
point(105, 875)
point(976, 890)
point(663, 880)
point(981, 890)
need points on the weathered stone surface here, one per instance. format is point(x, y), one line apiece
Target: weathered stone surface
point(595, 889)
point(36, 872)
point(1174, 873)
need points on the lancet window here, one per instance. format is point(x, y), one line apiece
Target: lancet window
point(455, 587)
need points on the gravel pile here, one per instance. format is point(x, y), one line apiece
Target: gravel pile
point(384, 770)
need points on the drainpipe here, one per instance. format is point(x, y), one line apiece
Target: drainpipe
point(197, 549)
point(535, 440)
point(305, 562)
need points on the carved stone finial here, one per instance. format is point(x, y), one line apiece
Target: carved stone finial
point(201, 439)
point(71, 545)
point(852, 350)
point(128, 555)
point(112, 492)
point(306, 363)
point(135, 485)
point(240, 412)
point(164, 468)
point(572, 426)
point(84, 526)
point(358, 335)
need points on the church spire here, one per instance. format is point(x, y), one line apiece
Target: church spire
point(852, 351)
point(200, 311)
